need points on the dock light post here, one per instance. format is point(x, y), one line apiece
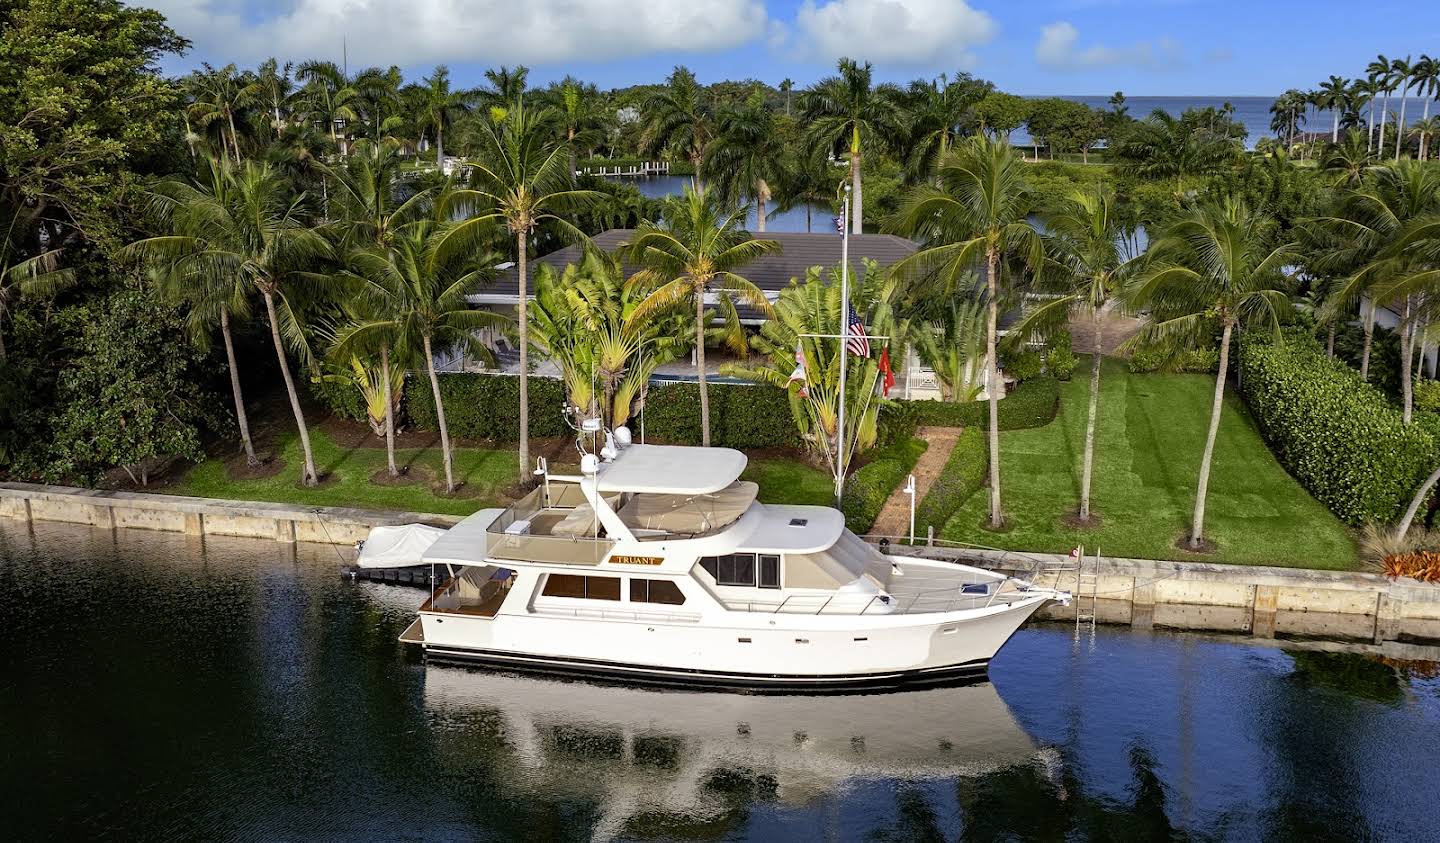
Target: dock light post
point(910, 490)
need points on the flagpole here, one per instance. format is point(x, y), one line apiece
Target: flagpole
point(844, 338)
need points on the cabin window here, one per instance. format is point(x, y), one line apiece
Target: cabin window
point(582, 588)
point(655, 591)
point(769, 571)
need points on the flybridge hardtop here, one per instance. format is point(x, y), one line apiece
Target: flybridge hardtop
point(657, 563)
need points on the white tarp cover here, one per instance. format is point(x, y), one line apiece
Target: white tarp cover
point(689, 514)
point(397, 547)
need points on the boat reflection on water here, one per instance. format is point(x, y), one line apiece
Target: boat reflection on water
point(641, 753)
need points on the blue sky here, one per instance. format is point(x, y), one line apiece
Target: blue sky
point(1144, 47)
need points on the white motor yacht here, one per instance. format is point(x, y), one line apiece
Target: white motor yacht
point(657, 564)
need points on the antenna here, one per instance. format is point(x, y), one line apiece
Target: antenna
point(344, 56)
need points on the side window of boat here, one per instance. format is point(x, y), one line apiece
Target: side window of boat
point(655, 591)
point(584, 588)
point(742, 568)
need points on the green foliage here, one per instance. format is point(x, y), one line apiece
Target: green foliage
point(1060, 359)
point(479, 406)
point(1427, 396)
point(963, 475)
point(741, 416)
point(1158, 359)
point(1030, 404)
point(1336, 434)
point(1002, 113)
point(1022, 364)
point(869, 487)
point(134, 394)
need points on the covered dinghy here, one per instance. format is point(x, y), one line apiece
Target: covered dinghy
point(397, 547)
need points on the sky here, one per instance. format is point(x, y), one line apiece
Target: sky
point(1143, 47)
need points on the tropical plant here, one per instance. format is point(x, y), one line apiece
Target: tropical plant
point(504, 87)
point(942, 111)
point(1401, 71)
point(1085, 274)
point(848, 114)
point(1162, 146)
point(795, 354)
point(697, 248)
point(747, 157)
point(948, 335)
point(520, 178)
point(1423, 130)
point(1334, 95)
point(680, 116)
point(581, 114)
point(37, 274)
point(415, 290)
point(1210, 269)
point(787, 87)
point(380, 393)
point(1380, 75)
point(583, 319)
point(1348, 160)
point(805, 182)
point(440, 106)
point(218, 93)
point(974, 217)
point(328, 97)
point(237, 230)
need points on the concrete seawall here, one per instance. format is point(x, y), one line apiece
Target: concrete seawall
point(1261, 601)
point(200, 516)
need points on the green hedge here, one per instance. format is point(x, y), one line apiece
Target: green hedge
point(963, 475)
point(1196, 360)
point(869, 487)
point(1031, 404)
point(741, 416)
point(342, 399)
point(1336, 434)
point(480, 406)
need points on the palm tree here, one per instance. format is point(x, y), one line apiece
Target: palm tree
point(505, 88)
point(787, 86)
point(680, 116)
point(1162, 146)
point(417, 289)
point(1334, 94)
point(1087, 264)
point(948, 336)
point(1423, 130)
point(381, 103)
point(328, 97)
point(697, 248)
point(1400, 72)
point(519, 177)
point(808, 181)
point(440, 106)
point(1368, 89)
point(847, 112)
point(1349, 160)
point(1380, 75)
point(269, 89)
point(218, 95)
point(1212, 266)
point(1426, 74)
point(241, 230)
point(582, 117)
point(976, 215)
point(747, 156)
point(940, 111)
point(38, 274)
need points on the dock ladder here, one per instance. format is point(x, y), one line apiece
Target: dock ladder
point(1086, 577)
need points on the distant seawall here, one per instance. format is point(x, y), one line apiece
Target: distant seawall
point(200, 516)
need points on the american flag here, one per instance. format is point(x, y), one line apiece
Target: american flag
point(855, 340)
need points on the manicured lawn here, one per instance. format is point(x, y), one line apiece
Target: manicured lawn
point(1148, 444)
point(484, 472)
point(791, 481)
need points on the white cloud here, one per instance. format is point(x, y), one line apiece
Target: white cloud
point(1059, 49)
point(897, 31)
point(381, 32)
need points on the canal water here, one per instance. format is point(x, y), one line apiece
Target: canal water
point(156, 688)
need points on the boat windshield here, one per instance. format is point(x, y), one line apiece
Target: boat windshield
point(549, 525)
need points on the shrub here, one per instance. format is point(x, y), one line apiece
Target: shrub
point(1031, 404)
point(868, 488)
point(963, 475)
point(1196, 360)
point(741, 416)
point(1336, 434)
point(343, 399)
point(1060, 359)
point(1022, 365)
point(1427, 396)
point(483, 406)
point(1423, 565)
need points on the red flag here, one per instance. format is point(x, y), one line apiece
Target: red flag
point(885, 368)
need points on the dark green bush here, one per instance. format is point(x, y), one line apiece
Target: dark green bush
point(741, 416)
point(1022, 365)
point(1197, 360)
point(868, 488)
point(1060, 359)
point(481, 406)
point(342, 399)
point(1031, 404)
point(1335, 433)
point(1427, 396)
point(963, 475)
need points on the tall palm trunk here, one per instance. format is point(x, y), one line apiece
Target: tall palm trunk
point(1384, 116)
point(1094, 412)
point(234, 138)
point(310, 477)
point(1197, 530)
point(993, 388)
point(1369, 324)
point(761, 191)
point(1400, 126)
point(440, 416)
point(700, 363)
point(1330, 342)
point(1370, 134)
point(189, 134)
point(524, 324)
point(439, 144)
point(1407, 351)
point(389, 411)
point(1335, 126)
point(857, 211)
point(240, 417)
point(1420, 495)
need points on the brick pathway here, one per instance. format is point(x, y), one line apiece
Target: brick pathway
point(894, 518)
